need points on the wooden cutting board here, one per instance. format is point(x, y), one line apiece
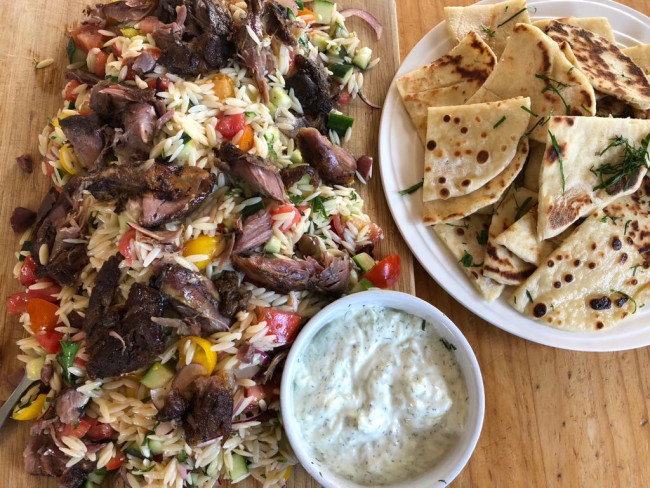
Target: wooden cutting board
point(36, 29)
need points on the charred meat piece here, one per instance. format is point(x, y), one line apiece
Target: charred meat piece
point(83, 77)
point(139, 121)
point(102, 294)
point(175, 407)
point(251, 53)
point(144, 63)
point(231, 299)
point(66, 259)
point(335, 276)
point(70, 405)
point(75, 476)
point(51, 215)
point(193, 295)
point(257, 229)
point(125, 10)
point(22, 219)
point(25, 163)
point(43, 457)
point(134, 341)
point(112, 183)
point(210, 411)
point(109, 100)
point(311, 87)
point(260, 175)
point(290, 176)
point(86, 136)
point(333, 163)
point(275, 22)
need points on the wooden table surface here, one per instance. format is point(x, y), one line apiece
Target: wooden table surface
point(553, 417)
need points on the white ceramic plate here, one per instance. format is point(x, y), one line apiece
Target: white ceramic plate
point(400, 159)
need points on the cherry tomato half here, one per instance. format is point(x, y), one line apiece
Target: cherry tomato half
point(229, 125)
point(386, 272)
point(283, 325)
point(28, 272)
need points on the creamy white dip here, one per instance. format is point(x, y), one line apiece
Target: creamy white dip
point(378, 396)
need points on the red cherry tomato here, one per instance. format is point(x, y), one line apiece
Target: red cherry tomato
point(116, 461)
point(260, 392)
point(124, 245)
point(87, 37)
point(77, 430)
point(49, 340)
point(344, 98)
point(230, 125)
point(283, 325)
point(42, 315)
point(46, 293)
point(290, 222)
point(386, 272)
point(100, 64)
point(68, 94)
point(100, 432)
point(17, 303)
point(28, 272)
point(337, 225)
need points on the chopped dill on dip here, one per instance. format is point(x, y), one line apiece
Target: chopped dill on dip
point(378, 397)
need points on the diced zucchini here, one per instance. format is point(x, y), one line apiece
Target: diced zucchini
point(33, 368)
point(184, 155)
point(273, 245)
point(272, 109)
point(239, 469)
point(340, 123)
point(363, 285)
point(339, 31)
point(157, 376)
point(96, 477)
point(279, 97)
point(341, 72)
point(324, 11)
point(156, 447)
point(364, 261)
point(362, 58)
point(320, 40)
point(296, 157)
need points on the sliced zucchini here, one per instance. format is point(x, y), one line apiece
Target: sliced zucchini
point(341, 72)
point(279, 97)
point(239, 469)
point(157, 376)
point(339, 31)
point(340, 123)
point(324, 11)
point(156, 447)
point(362, 58)
point(320, 40)
point(273, 245)
point(364, 261)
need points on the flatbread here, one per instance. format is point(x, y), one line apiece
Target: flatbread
point(533, 165)
point(500, 264)
point(494, 23)
point(604, 264)
point(461, 237)
point(640, 55)
point(450, 80)
point(597, 25)
point(468, 145)
point(521, 239)
point(581, 141)
point(605, 66)
point(441, 211)
point(529, 52)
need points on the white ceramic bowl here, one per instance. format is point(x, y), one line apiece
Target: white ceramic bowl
point(456, 458)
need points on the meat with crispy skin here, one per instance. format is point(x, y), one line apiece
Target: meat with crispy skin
point(333, 163)
point(312, 87)
point(175, 407)
point(275, 22)
point(250, 52)
point(256, 230)
point(70, 405)
point(125, 10)
point(292, 175)
point(136, 140)
point(260, 175)
point(75, 476)
point(85, 134)
point(210, 412)
point(43, 457)
point(231, 298)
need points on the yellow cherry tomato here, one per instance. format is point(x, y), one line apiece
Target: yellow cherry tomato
point(69, 160)
point(203, 354)
point(247, 140)
point(204, 245)
point(224, 87)
point(287, 473)
point(30, 411)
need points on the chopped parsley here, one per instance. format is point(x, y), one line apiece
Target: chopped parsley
point(412, 189)
point(634, 158)
point(501, 121)
point(634, 268)
point(488, 31)
point(318, 206)
point(604, 218)
point(582, 106)
point(526, 109)
point(513, 16)
point(301, 5)
point(66, 357)
point(539, 123)
point(523, 208)
point(555, 86)
point(482, 237)
point(530, 297)
point(424, 324)
point(463, 226)
point(558, 151)
point(625, 295)
point(570, 69)
point(627, 222)
point(468, 260)
point(448, 345)
point(296, 199)
point(140, 471)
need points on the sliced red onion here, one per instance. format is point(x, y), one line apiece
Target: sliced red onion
point(186, 376)
point(247, 372)
point(290, 4)
point(366, 101)
point(364, 167)
point(249, 419)
point(164, 428)
point(183, 471)
point(367, 16)
point(165, 236)
point(159, 397)
point(93, 448)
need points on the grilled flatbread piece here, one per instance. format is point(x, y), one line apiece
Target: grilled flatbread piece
point(450, 80)
point(533, 65)
point(608, 70)
point(440, 211)
point(599, 275)
point(469, 145)
point(533, 165)
point(500, 264)
point(640, 55)
point(593, 169)
point(465, 239)
point(494, 23)
point(597, 25)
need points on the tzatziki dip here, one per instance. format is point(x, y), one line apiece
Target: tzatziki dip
point(379, 396)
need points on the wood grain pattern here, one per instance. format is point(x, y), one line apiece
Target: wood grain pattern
point(36, 29)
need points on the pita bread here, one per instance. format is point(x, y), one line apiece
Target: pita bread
point(581, 140)
point(521, 239)
point(605, 66)
point(494, 23)
point(599, 275)
point(640, 55)
point(500, 264)
point(462, 237)
point(533, 165)
point(468, 145)
point(531, 62)
point(597, 25)
point(440, 211)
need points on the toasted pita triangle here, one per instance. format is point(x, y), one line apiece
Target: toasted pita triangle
point(640, 55)
point(599, 275)
point(468, 145)
point(462, 237)
point(582, 140)
point(597, 25)
point(440, 211)
point(494, 23)
point(530, 63)
point(605, 66)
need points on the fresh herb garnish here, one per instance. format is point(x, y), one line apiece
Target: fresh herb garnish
point(482, 237)
point(27, 245)
point(70, 49)
point(66, 357)
point(604, 218)
point(462, 226)
point(296, 199)
point(625, 295)
point(318, 206)
point(526, 109)
point(570, 69)
point(488, 31)
point(530, 297)
point(250, 115)
point(468, 261)
point(448, 345)
point(501, 121)
point(424, 324)
point(555, 86)
point(558, 151)
point(301, 5)
point(182, 456)
point(412, 189)
point(634, 158)
point(539, 123)
point(139, 471)
point(512, 17)
point(634, 268)
point(582, 106)
point(523, 208)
